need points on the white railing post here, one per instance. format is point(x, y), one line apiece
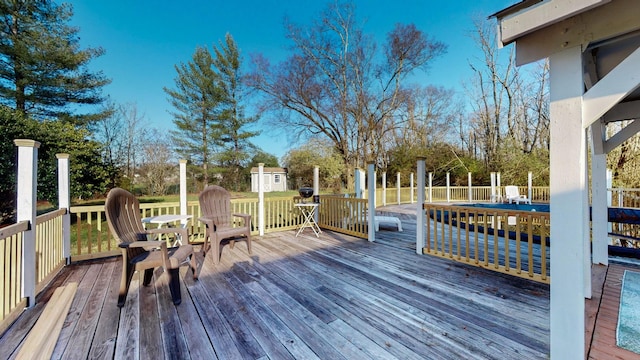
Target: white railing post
point(384, 188)
point(448, 187)
point(620, 197)
point(498, 184)
point(316, 190)
point(530, 186)
point(27, 186)
point(494, 196)
point(261, 199)
point(371, 182)
point(420, 225)
point(470, 188)
point(430, 185)
point(411, 188)
point(359, 179)
point(183, 190)
point(398, 187)
point(64, 202)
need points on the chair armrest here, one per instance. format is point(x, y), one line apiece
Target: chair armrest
point(245, 217)
point(207, 220)
point(144, 244)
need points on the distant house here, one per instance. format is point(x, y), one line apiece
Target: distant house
point(275, 179)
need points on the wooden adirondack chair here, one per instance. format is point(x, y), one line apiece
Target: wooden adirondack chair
point(215, 204)
point(138, 253)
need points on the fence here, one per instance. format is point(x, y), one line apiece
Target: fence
point(11, 300)
point(507, 241)
point(389, 196)
point(49, 245)
point(90, 237)
point(345, 215)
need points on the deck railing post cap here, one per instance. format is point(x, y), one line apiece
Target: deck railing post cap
point(421, 158)
point(62, 156)
point(183, 161)
point(26, 143)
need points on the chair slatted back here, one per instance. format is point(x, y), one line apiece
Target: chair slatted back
point(123, 217)
point(511, 191)
point(215, 203)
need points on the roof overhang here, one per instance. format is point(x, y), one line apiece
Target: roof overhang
point(542, 28)
point(608, 34)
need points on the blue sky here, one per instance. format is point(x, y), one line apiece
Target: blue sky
point(145, 39)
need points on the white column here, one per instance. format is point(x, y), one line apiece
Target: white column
point(448, 188)
point(567, 202)
point(498, 184)
point(183, 190)
point(64, 202)
point(261, 199)
point(530, 186)
point(609, 198)
point(371, 182)
point(599, 211)
point(430, 185)
point(384, 188)
point(398, 187)
point(420, 219)
point(411, 188)
point(470, 188)
point(586, 235)
point(27, 186)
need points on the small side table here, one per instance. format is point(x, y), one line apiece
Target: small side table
point(308, 211)
point(168, 219)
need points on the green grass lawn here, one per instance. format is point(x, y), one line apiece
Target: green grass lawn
point(192, 197)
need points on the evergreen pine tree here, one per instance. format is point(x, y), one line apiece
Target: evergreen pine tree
point(42, 68)
point(196, 99)
point(235, 143)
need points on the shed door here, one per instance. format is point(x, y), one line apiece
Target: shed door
point(267, 182)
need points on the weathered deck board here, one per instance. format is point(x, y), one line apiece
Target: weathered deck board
point(305, 297)
point(104, 340)
point(87, 321)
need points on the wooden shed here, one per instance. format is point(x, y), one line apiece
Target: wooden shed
point(275, 179)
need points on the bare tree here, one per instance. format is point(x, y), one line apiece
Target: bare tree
point(492, 90)
point(334, 84)
point(157, 169)
point(121, 134)
point(427, 117)
point(510, 107)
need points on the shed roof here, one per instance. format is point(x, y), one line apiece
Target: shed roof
point(270, 170)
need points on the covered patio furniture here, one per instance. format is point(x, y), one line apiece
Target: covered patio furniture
point(377, 219)
point(138, 253)
point(356, 212)
point(512, 194)
point(215, 204)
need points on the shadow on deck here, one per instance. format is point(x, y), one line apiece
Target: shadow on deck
point(332, 297)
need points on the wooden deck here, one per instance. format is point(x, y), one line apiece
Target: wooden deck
point(602, 312)
point(333, 297)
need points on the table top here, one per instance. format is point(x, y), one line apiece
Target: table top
point(162, 219)
point(306, 204)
